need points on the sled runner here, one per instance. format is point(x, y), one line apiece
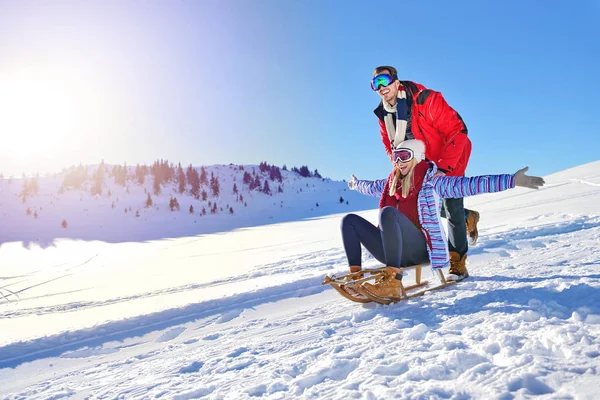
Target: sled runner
point(351, 285)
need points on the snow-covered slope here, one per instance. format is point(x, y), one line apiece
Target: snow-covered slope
point(242, 314)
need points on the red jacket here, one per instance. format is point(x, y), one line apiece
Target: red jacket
point(435, 123)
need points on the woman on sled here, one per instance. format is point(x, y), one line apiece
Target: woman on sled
point(410, 231)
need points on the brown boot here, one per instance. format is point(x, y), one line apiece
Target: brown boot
point(472, 221)
point(355, 268)
point(387, 285)
point(348, 291)
point(458, 268)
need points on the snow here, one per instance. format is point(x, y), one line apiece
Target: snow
point(233, 307)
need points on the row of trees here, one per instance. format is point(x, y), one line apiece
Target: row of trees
point(174, 206)
point(305, 172)
point(164, 172)
point(273, 171)
point(30, 188)
point(161, 170)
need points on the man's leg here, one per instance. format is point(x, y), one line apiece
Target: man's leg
point(471, 220)
point(457, 239)
point(457, 229)
point(443, 213)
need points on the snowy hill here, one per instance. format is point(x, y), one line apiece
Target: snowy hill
point(242, 314)
point(119, 213)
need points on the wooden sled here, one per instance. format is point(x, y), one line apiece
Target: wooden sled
point(348, 285)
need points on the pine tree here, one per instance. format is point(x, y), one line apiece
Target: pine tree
point(191, 209)
point(140, 173)
point(275, 174)
point(189, 173)
point(231, 210)
point(64, 223)
point(30, 187)
point(28, 211)
point(204, 195)
point(174, 204)
point(214, 185)
point(256, 184)
point(203, 177)
point(194, 179)
point(120, 174)
point(235, 189)
point(156, 185)
point(74, 178)
point(181, 179)
point(35, 214)
point(247, 178)
point(304, 171)
point(149, 201)
point(266, 188)
point(98, 180)
point(34, 184)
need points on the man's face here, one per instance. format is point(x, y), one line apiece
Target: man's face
point(390, 92)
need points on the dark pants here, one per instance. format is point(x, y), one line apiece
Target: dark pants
point(397, 242)
point(455, 212)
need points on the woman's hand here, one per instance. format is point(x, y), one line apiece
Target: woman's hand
point(531, 182)
point(352, 182)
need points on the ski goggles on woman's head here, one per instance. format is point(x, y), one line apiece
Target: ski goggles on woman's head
point(403, 155)
point(382, 80)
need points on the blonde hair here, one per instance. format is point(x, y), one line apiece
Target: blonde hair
point(406, 181)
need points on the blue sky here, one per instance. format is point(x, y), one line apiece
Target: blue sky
point(287, 82)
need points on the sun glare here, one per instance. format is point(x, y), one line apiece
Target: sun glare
point(39, 112)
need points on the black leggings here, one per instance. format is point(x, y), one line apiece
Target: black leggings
point(397, 242)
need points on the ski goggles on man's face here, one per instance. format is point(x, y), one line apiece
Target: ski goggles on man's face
point(382, 80)
point(403, 155)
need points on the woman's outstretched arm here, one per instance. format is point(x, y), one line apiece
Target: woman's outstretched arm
point(460, 186)
point(370, 188)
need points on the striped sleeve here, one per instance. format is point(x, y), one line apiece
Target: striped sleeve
point(370, 188)
point(460, 186)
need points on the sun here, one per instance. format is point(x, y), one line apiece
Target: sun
point(39, 112)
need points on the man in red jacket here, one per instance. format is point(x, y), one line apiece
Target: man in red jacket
point(411, 111)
